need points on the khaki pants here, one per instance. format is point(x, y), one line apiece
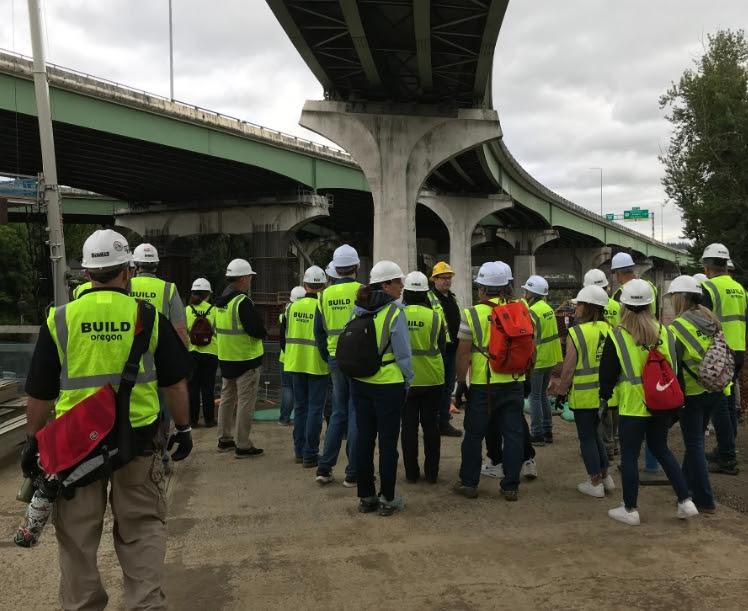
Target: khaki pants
point(609, 430)
point(138, 500)
point(237, 408)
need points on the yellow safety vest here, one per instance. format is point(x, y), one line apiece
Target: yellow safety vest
point(632, 359)
point(696, 344)
point(588, 339)
point(389, 372)
point(612, 312)
point(547, 342)
point(281, 317)
point(94, 335)
point(424, 326)
point(80, 288)
point(233, 342)
point(301, 354)
point(155, 291)
point(479, 319)
point(201, 309)
point(335, 306)
point(729, 306)
point(437, 306)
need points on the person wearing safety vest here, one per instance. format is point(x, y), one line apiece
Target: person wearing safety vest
point(203, 380)
point(378, 399)
point(81, 347)
point(727, 300)
point(694, 328)
point(308, 370)
point(504, 392)
point(427, 334)
point(332, 275)
point(334, 309)
point(240, 331)
point(444, 303)
point(81, 288)
point(612, 312)
point(580, 379)
point(286, 408)
point(624, 355)
point(548, 346)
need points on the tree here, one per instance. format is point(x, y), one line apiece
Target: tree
point(706, 164)
point(16, 281)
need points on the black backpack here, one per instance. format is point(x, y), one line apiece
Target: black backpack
point(357, 352)
point(201, 332)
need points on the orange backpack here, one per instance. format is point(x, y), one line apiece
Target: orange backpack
point(510, 346)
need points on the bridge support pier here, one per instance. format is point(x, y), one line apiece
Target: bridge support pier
point(525, 242)
point(591, 258)
point(461, 215)
point(398, 147)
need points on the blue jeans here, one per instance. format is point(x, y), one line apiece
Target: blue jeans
point(650, 462)
point(378, 412)
point(450, 376)
point(723, 428)
point(287, 399)
point(343, 419)
point(693, 421)
point(507, 401)
point(541, 417)
point(590, 441)
point(632, 431)
point(309, 399)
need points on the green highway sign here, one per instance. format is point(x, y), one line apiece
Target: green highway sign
point(635, 214)
point(610, 217)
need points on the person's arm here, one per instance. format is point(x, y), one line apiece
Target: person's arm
point(400, 342)
point(568, 368)
point(320, 335)
point(463, 359)
point(42, 381)
point(251, 320)
point(178, 317)
point(441, 341)
point(610, 369)
point(177, 402)
point(37, 414)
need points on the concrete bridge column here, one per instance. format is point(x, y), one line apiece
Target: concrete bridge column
point(591, 258)
point(461, 215)
point(397, 147)
point(525, 242)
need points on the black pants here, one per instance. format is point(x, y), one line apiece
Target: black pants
point(201, 385)
point(422, 406)
point(493, 441)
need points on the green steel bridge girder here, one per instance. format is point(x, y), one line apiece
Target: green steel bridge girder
point(17, 95)
point(74, 208)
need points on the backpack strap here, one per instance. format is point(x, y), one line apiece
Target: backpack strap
point(143, 331)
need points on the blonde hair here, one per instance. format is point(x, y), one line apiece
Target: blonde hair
point(683, 302)
point(641, 325)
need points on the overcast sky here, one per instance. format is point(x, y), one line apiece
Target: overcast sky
point(576, 82)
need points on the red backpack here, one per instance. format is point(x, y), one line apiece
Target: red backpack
point(201, 332)
point(661, 389)
point(510, 344)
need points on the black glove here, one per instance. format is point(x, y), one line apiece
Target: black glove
point(560, 400)
point(603, 411)
point(183, 438)
point(30, 458)
point(461, 393)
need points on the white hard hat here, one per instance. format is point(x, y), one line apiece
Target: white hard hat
point(145, 253)
point(201, 284)
point(684, 284)
point(716, 251)
point(238, 268)
point(593, 294)
point(700, 278)
point(345, 256)
point(637, 292)
point(537, 285)
point(730, 264)
point(506, 268)
point(492, 274)
point(132, 261)
point(621, 260)
point(315, 275)
point(416, 281)
point(330, 271)
point(384, 271)
point(595, 277)
point(297, 293)
point(105, 248)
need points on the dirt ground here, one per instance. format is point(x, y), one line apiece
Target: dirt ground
point(261, 534)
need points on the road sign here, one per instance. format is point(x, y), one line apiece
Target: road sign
point(610, 217)
point(635, 214)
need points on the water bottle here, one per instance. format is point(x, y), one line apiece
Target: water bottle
point(37, 514)
point(26, 491)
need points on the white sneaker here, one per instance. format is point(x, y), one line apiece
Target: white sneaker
point(587, 488)
point(608, 483)
point(622, 515)
point(529, 469)
point(491, 470)
point(687, 509)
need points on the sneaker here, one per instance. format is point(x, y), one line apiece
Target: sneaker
point(350, 481)
point(623, 515)
point(548, 437)
point(587, 488)
point(249, 452)
point(324, 476)
point(608, 483)
point(529, 469)
point(368, 504)
point(537, 440)
point(310, 464)
point(491, 470)
point(284, 422)
point(298, 460)
point(468, 493)
point(387, 508)
point(510, 495)
point(447, 430)
point(226, 445)
point(686, 510)
point(728, 467)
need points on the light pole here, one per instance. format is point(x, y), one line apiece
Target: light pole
point(171, 55)
point(601, 189)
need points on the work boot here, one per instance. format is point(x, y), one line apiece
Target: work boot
point(728, 467)
point(447, 430)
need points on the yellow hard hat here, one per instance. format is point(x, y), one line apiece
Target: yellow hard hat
point(441, 268)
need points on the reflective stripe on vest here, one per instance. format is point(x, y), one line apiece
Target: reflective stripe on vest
point(335, 306)
point(584, 393)
point(547, 342)
point(234, 344)
point(729, 308)
point(480, 325)
point(301, 354)
point(155, 291)
point(423, 331)
point(437, 306)
point(383, 326)
point(695, 345)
